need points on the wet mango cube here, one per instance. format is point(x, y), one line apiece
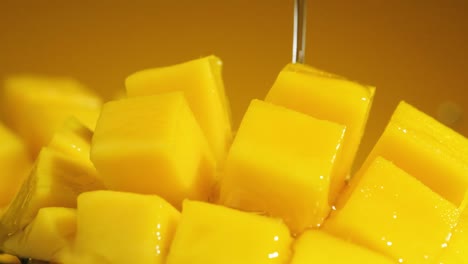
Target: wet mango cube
point(282, 163)
point(166, 145)
point(60, 173)
point(153, 145)
point(35, 107)
point(426, 149)
point(393, 213)
point(316, 246)
point(52, 230)
point(213, 234)
point(14, 164)
point(201, 82)
point(329, 97)
point(117, 227)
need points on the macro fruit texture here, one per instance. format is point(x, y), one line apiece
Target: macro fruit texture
point(142, 233)
point(388, 204)
point(162, 179)
point(329, 97)
point(315, 246)
point(14, 164)
point(52, 229)
point(201, 82)
point(205, 229)
point(292, 156)
point(153, 145)
point(426, 149)
point(57, 178)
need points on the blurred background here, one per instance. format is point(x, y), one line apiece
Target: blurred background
point(412, 50)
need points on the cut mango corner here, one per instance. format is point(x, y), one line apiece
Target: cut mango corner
point(328, 97)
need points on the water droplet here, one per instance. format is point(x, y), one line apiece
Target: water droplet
point(158, 250)
point(389, 243)
point(276, 238)
point(273, 255)
point(337, 147)
point(400, 260)
point(449, 236)
point(444, 245)
point(76, 147)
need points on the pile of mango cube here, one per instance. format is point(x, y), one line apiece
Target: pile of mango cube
point(158, 176)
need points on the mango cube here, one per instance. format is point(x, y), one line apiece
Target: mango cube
point(117, 227)
point(52, 230)
point(426, 149)
point(153, 145)
point(213, 234)
point(282, 163)
point(315, 246)
point(35, 107)
point(56, 180)
point(393, 213)
point(14, 164)
point(202, 84)
point(328, 97)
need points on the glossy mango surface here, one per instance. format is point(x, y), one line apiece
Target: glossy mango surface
point(316, 246)
point(329, 97)
point(282, 163)
point(153, 145)
point(211, 234)
point(201, 82)
point(392, 212)
point(117, 227)
point(162, 149)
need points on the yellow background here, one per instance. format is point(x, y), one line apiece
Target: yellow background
point(413, 50)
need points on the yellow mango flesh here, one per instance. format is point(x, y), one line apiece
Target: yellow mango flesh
point(456, 250)
point(279, 166)
point(14, 164)
point(328, 97)
point(51, 231)
point(73, 139)
point(9, 259)
point(213, 234)
point(35, 107)
point(201, 82)
point(281, 163)
point(56, 179)
point(153, 145)
point(116, 227)
point(393, 213)
point(426, 149)
point(316, 246)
